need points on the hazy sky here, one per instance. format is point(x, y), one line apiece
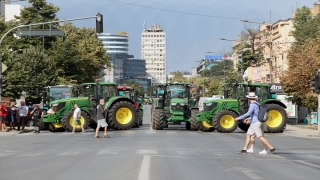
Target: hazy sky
point(189, 37)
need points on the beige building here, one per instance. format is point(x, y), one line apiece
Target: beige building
point(153, 50)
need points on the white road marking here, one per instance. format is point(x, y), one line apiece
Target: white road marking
point(171, 132)
point(108, 152)
point(147, 151)
point(150, 132)
point(245, 171)
point(145, 168)
point(34, 154)
point(5, 154)
point(25, 134)
point(187, 153)
point(68, 153)
point(308, 164)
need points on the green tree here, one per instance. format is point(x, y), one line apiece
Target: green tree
point(79, 55)
point(218, 69)
point(27, 71)
point(178, 77)
point(136, 86)
point(305, 25)
point(296, 79)
point(249, 51)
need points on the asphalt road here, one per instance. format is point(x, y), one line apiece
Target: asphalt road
point(143, 154)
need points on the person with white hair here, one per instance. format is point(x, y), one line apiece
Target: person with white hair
point(255, 124)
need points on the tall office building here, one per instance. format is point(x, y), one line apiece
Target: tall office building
point(117, 47)
point(153, 50)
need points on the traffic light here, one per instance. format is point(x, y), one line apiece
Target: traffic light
point(99, 23)
point(3, 85)
point(315, 83)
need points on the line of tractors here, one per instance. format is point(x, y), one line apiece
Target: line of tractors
point(175, 104)
point(125, 111)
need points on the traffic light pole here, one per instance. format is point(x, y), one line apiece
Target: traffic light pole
point(42, 23)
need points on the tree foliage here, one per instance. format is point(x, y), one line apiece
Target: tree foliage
point(218, 68)
point(178, 77)
point(249, 50)
point(305, 25)
point(303, 61)
point(79, 55)
point(136, 86)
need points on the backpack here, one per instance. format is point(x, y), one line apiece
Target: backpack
point(263, 112)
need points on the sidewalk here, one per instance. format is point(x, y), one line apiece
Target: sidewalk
point(15, 132)
point(300, 131)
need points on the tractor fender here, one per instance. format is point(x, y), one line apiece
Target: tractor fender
point(115, 100)
point(276, 102)
point(233, 111)
point(137, 105)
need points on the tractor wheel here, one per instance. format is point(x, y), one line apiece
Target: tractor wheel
point(277, 118)
point(159, 119)
point(152, 118)
point(206, 127)
point(194, 122)
point(42, 125)
point(137, 122)
point(51, 127)
point(188, 125)
point(224, 121)
point(243, 126)
point(68, 120)
point(92, 124)
point(141, 117)
point(122, 115)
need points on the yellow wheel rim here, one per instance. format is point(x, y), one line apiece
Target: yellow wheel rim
point(79, 123)
point(227, 121)
point(207, 125)
point(274, 118)
point(57, 125)
point(124, 115)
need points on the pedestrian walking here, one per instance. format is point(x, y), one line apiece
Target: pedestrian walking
point(12, 115)
point(255, 124)
point(23, 111)
point(37, 114)
point(3, 117)
point(252, 139)
point(76, 117)
point(101, 119)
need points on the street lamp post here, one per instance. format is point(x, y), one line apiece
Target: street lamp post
point(202, 77)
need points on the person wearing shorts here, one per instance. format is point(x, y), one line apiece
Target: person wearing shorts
point(255, 124)
point(13, 115)
point(101, 119)
point(252, 141)
point(76, 117)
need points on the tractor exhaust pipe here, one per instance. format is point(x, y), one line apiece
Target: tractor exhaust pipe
point(225, 94)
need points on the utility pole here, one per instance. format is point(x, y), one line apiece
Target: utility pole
point(270, 61)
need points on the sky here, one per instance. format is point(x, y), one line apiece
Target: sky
point(192, 30)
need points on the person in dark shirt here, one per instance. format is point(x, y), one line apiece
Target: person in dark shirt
point(36, 113)
point(101, 119)
point(13, 115)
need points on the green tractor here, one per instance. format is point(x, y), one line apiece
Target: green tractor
point(132, 94)
point(173, 104)
point(53, 93)
point(121, 114)
point(220, 114)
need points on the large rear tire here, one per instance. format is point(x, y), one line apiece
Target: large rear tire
point(159, 119)
point(67, 121)
point(42, 125)
point(122, 115)
point(224, 121)
point(194, 122)
point(277, 118)
point(141, 117)
point(206, 127)
point(137, 122)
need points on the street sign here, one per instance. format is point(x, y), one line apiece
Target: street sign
point(4, 67)
point(40, 32)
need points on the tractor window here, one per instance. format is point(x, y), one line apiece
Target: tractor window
point(238, 91)
point(88, 90)
point(177, 91)
point(106, 91)
point(264, 92)
point(57, 93)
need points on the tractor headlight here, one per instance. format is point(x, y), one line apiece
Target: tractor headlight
point(173, 104)
point(182, 104)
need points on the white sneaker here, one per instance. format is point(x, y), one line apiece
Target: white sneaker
point(263, 152)
point(250, 150)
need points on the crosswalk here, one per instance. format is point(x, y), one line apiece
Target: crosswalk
point(147, 151)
